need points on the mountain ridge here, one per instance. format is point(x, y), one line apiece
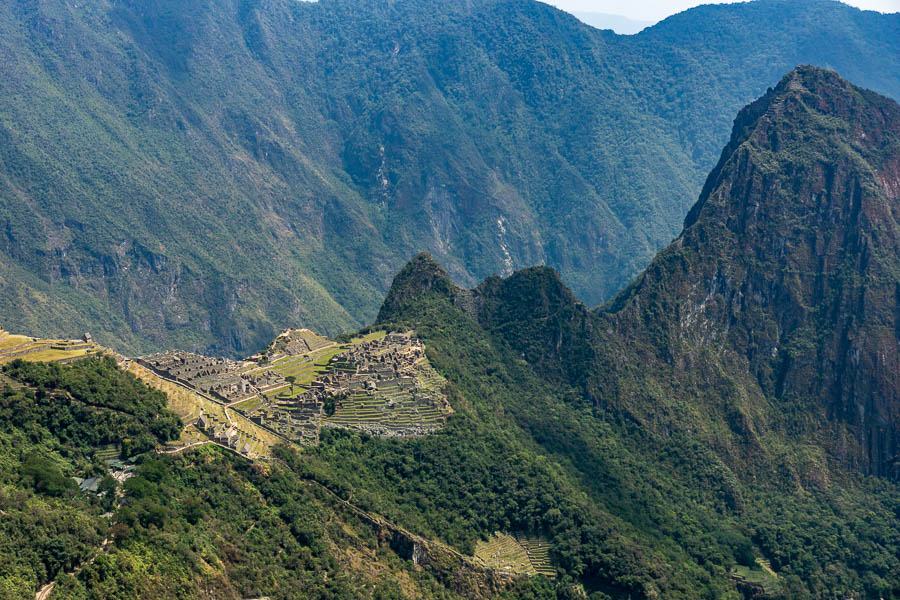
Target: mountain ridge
point(640, 450)
point(192, 174)
point(744, 287)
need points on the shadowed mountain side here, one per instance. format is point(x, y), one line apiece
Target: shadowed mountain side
point(775, 313)
point(202, 174)
point(788, 267)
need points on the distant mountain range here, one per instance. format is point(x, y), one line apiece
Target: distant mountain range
point(618, 23)
point(203, 174)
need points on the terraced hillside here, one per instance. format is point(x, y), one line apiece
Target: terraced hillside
point(380, 383)
point(285, 394)
point(45, 350)
point(207, 420)
point(393, 408)
point(538, 551)
point(759, 579)
point(516, 555)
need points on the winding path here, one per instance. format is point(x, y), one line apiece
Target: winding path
point(44, 592)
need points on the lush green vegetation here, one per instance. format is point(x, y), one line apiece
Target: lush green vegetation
point(209, 522)
point(50, 431)
point(186, 526)
point(661, 445)
point(99, 405)
point(691, 410)
point(625, 512)
point(200, 175)
point(688, 516)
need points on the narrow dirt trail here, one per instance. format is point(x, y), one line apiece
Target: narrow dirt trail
point(44, 592)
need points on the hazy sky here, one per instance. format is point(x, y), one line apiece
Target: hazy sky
point(655, 10)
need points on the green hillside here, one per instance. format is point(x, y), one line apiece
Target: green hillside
point(202, 174)
point(725, 428)
point(205, 523)
point(737, 405)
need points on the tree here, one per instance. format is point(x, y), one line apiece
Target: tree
point(291, 379)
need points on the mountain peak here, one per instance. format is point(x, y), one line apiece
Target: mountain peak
point(420, 275)
point(789, 260)
point(813, 116)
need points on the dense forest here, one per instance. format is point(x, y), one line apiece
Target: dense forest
point(627, 512)
point(650, 518)
point(684, 515)
point(203, 524)
point(201, 174)
point(733, 394)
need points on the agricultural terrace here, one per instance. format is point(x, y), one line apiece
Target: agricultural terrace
point(308, 367)
point(519, 555)
point(41, 350)
point(380, 383)
point(760, 575)
point(411, 405)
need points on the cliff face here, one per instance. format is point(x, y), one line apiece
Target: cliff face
point(775, 312)
point(788, 266)
point(203, 174)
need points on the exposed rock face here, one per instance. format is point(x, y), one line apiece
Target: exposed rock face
point(777, 310)
point(790, 262)
point(201, 174)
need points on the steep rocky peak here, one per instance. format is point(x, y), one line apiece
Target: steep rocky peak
point(813, 117)
point(790, 263)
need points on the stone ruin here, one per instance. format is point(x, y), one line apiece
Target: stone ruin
point(378, 387)
point(226, 434)
point(218, 377)
point(383, 387)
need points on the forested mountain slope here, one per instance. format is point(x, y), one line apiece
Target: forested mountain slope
point(200, 174)
point(201, 524)
point(750, 371)
point(726, 427)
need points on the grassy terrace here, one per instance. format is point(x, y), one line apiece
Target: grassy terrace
point(11, 341)
point(524, 555)
point(503, 552)
point(50, 355)
point(761, 575)
point(305, 368)
point(308, 367)
point(248, 405)
point(191, 435)
point(17, 352)
point(363, 409)
point(37, 350)
point(538, 553)
point(107, 452)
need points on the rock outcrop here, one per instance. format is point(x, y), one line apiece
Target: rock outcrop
point(789, 266)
